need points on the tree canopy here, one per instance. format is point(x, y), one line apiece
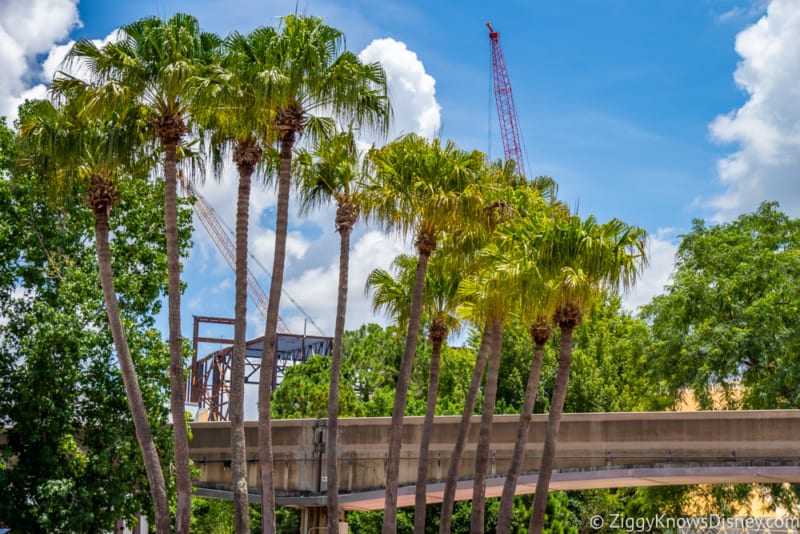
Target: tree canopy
point(76, 466)
point(726, 327)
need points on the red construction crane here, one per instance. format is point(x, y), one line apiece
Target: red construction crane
point(506, 111)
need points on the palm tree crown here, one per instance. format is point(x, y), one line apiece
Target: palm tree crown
point(156, 64)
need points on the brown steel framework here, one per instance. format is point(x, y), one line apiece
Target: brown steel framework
point(209, 377)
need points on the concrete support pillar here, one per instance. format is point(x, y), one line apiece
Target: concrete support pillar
point(314, 520)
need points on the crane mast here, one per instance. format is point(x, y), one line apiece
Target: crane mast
point(506, 111)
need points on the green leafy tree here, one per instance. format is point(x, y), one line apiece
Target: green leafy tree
point(303, 392)
point(155, 64)
point(76, 465)
point(726, 327)
point(218, 516)
point(610, 359)
point(373, 355)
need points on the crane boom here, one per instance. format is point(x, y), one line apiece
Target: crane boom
point(506, 111)
point(222, 240)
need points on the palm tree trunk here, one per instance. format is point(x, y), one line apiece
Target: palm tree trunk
point(463, 431)
point(271, 338)
point(404, 375)
point(336, 363)
point(420, 498)
point(518, 456)
point(144, 435)
point(241, 503)
point(484, 437)
point(176, 360)
point(551, 434)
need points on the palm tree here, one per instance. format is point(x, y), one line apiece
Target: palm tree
point(156, 63)
point(441, 301)
point(518, 250)
point(236, 112)
point(483, 304)
point(590, 258)
point(429, 189)
point(305, 70)
point(334, 172)
point(71, 150)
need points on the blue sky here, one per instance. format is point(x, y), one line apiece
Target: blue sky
point(655, 112)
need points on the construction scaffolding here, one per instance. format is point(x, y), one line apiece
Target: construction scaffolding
point(209, 377)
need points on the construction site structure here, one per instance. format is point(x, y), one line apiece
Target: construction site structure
point(506, 110)
point(209, 376)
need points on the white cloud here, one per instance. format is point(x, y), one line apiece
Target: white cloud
point(766, 128)
point(412, 91)
point(263, 246)
point(315, 290)
point(28, 29)
point(661, 254)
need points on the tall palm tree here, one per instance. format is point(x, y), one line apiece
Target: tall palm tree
point(590, 257)
point(334, 172)
point(441, 299)
point(305, 71)
point(518, 250)
point(483, 302)
point(156, 63)
point(71, 150)
point(236, 112)
point(428, 189)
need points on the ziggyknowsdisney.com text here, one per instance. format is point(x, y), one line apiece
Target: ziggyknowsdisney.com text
point(690, 524)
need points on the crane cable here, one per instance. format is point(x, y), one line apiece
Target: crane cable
point(191, 190)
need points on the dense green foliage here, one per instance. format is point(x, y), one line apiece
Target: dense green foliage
point(609, 355)
point(71, 462)
point(303, 393)
point(610, 343)
point(728, 323)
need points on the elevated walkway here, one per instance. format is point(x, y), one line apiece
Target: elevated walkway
point(599, 450)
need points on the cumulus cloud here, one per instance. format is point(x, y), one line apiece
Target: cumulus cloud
point(766, 129)
point(316, 290)
point(28, 30)
point(661, 254)
point(412, 90)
